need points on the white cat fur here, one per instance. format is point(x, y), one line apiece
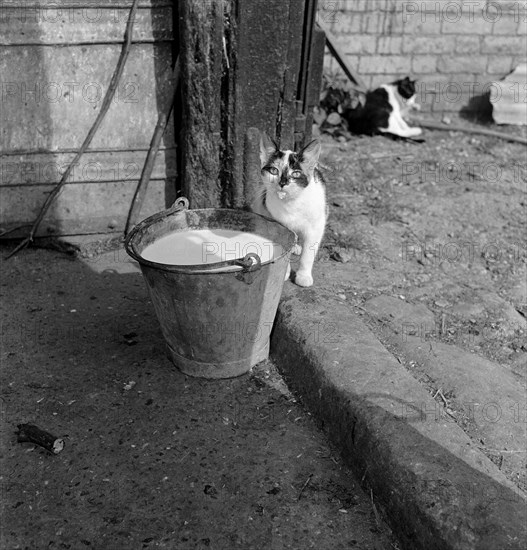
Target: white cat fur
point(396, 123)
point(301, 209)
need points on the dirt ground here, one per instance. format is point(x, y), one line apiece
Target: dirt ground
point(439, 221)
point(440, 224)
point(153, 458)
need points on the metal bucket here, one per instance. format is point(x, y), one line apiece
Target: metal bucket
point(216, 318)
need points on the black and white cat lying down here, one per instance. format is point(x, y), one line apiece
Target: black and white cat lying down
point(384, 111)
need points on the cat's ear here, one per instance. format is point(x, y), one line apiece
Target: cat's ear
point(267, 147)
point(310, 153)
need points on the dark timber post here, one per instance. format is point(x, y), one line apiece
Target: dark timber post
point(246, 65)
point(201, 56)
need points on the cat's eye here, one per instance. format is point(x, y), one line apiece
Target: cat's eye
point(273, 171)
point(296, 174)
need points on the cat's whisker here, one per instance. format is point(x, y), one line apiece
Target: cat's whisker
point(324, 167)
point(258, 194)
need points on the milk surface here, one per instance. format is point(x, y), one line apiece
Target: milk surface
point(208, 246)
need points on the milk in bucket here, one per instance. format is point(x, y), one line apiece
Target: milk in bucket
point(208, 246)
point(215, 311)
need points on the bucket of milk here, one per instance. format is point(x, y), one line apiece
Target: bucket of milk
point(215, 277)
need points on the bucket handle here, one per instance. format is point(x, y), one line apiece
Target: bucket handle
point(180, 204)
point(250, 267)
point(250, 263)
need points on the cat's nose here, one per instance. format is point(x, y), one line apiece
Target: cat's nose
point(283, 183)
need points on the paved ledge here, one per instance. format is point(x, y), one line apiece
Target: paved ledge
point(439, 491)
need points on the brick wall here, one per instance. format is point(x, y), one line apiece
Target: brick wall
point(455, 48)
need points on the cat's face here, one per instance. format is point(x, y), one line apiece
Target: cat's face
point(287, 173)
point(407, 93)
point(406, 88)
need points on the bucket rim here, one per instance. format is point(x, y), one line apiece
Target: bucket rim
point(197, 269)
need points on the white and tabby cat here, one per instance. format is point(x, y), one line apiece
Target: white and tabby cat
point(384, 111)
point(294, 194)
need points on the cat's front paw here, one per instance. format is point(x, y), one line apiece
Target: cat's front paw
point(415, 132)
point(303, 279)
point(297, 250)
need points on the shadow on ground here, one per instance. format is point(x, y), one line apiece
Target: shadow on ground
point(478, 110)
point(153, 458)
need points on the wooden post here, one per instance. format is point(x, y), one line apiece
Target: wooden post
point(201, 54)
point(270, 41)
point(264, 79)
point(241, 62)
point(314, 79)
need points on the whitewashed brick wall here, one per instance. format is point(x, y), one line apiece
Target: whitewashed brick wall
point(455, 48)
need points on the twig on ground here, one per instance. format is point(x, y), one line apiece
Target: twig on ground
point(501, 451)
point(112, 87)
point(483, 131)
point(377, 516)
point(448, 410)
point(440, 393)
point(304, 486)
point(442, 397)
point(33, 434)
point(364, 475)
